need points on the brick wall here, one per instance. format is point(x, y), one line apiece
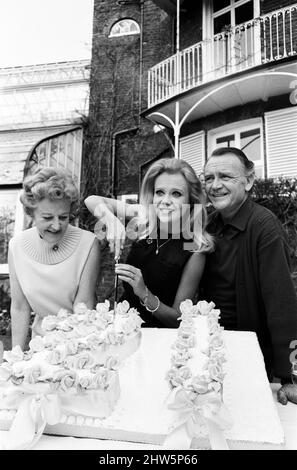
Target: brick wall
point(118, 95)
point(191, 25)
point(116, 104)
point(267, 6)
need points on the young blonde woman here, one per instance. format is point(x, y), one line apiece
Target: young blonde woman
point(166, 262)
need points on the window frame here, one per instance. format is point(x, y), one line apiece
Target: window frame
point(208, 17)
point(237, 128)
point(130, 33)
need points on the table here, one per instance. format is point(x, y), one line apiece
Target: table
point(287, 414)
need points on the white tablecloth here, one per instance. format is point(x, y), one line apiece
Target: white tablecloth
point(287, 414)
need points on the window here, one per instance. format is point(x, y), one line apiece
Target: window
point(129, 198)
point(231, 13)
point(235, 36)
point(124, 28)
point(11, 221)
point(247, 137)
point(63, 151)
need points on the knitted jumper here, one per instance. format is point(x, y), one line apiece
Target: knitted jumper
point(49, 276)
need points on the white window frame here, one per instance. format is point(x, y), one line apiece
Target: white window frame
point(128, 33)
point(129, 198)
point(236, 128)
point(208, 31)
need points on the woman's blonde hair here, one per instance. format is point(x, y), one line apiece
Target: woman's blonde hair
point(49, 183)
point(203, 240)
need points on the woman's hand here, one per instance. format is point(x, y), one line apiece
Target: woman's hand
point(288, 392)
point(114, 231)
point(133, 276)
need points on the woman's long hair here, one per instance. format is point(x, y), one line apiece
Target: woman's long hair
point(197, 211)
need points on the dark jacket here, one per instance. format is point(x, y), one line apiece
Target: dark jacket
point(265, 296)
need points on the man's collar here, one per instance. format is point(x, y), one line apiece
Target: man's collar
point(240, 219)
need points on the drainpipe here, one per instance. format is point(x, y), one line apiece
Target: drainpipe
point(115, 135)
point(141, 57)
point(113, 154)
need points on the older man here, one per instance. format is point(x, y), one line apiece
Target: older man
point(248, 275)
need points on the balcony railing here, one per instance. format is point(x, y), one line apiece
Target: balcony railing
point(259, 41)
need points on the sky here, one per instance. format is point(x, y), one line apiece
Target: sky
point(44, 31)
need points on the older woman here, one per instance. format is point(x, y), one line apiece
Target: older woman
point(53, 265)
point(165, 264)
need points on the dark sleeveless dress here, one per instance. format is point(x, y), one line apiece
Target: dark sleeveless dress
point(161, 273)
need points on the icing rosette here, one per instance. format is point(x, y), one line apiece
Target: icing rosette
point(200, 383)
point(186, 308)
point(101, 379)
point(18, 369)
point(180, 358)
point(67, 379)
point(65, 325)
point(16, 380)
point(50, 322)
point(62, 314)
point(36, 373)
point(100, 322)
point(57, 355)
point(84, 360)
point(15, 355)
point(204, 307)
point(52, 339)
point(111, 337)
point(37, 344)
point(86, 381)
point(80, 308)
point(178, 375)
point(93, 341)
point(103, 309)
point(123, 308)
point(71, 346)
point(112, 363)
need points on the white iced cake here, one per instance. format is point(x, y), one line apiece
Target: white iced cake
point(71, 371)
point(196, 386)
point(196, 374)
point(219, 387)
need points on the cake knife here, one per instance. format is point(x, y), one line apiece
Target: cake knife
point(115, 295)
point(1, 352)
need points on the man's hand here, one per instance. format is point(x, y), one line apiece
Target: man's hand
point(288, 392)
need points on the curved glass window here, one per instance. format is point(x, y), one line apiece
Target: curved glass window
point(124, 28)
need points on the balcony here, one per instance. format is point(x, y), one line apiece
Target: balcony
point(262, 41)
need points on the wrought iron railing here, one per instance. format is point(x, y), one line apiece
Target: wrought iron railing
point(265, 39)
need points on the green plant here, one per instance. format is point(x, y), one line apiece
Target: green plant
point(280, 196)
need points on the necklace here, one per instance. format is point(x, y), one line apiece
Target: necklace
point(160, 246)
point(55, 247)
